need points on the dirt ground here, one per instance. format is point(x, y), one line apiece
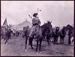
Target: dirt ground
point(16, 47)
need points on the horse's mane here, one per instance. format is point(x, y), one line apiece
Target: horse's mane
point(46, 26)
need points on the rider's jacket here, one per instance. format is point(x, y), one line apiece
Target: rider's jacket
point(36, 21)
point(35, 29)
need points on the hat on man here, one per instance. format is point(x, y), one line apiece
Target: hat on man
point(35, 14)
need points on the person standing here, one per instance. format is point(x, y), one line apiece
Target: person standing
point(62, 35)
point(56, 35)
point(69, 28)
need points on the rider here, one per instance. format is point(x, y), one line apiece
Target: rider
point(35, 24)
point(35, 30)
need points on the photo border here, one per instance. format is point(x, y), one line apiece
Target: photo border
point(33, 56)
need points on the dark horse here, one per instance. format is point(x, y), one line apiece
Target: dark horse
point(38, 38)
point(45, 30)
point(6, 35)
point(70, 32)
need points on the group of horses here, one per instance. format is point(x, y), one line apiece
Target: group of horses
point(47, 32)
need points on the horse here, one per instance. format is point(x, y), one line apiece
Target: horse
point(44, 31)
point(37, 36)
point(47, 31)
point(70, 32)
point(8, 35)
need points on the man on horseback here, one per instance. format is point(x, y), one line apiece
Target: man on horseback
point(35, 30)
point(35, 24)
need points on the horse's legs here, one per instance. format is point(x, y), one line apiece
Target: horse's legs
point(26, 42)
point(40, 44)
point(30, 42)
point(37, 45)
point(62, 40)
point(6, 40)
point(48, 40)
point(69, 40)
point(54, 40)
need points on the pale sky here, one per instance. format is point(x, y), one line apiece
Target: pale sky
point(59, 12)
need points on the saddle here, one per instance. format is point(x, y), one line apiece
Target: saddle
point(36, 31)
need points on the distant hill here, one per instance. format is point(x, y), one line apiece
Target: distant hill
point(21, 25)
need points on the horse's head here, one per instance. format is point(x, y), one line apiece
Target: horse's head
point(57, 28)
point(47, 27)
point(69, 27)
point(49, 22)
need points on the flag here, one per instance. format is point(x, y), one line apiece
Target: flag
point(5, 22)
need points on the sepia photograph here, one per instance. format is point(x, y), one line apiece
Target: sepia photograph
point(37, 28)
